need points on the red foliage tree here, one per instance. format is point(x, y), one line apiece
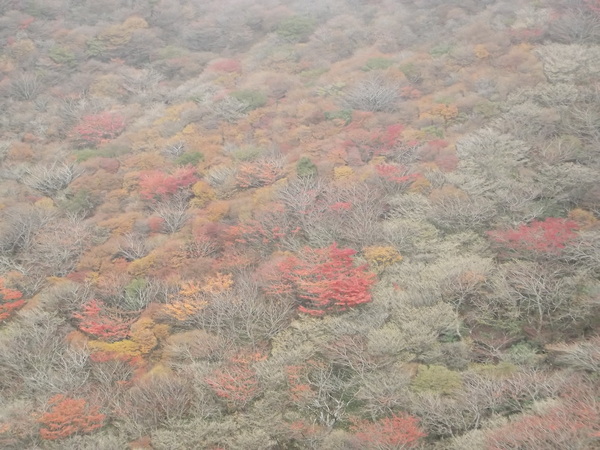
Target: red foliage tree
point(236, 382)
point(298, 388)
point(270, 228)
point(97, 129)
point(593, 5)
point(258, 173)
point(396, 432)
point(226, 65)
point(543, 237)
point(95, 319)
point(111, 165)
point(156, 224)
point(158, 185)
point(10, 301)
point(69, 416)
point(571, 425)
point(395, 174)
point(370, 144)
point(323, 280)
point(410, 93)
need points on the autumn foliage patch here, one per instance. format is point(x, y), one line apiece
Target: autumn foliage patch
point(323, 280)
point(10, 301)
point(236, 382)
point(96, 320)
point(545, 237)
point(226, 65)
point(97, 129)
point(573, 424)
point(395, 174)
point(158, 185)
point(69, 416)
point(398, 431)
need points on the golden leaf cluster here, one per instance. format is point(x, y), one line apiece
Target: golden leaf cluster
point(381, 257)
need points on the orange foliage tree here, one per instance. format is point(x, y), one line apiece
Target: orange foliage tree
point(10, 301)
point(237, 382)
point(157, 185)
point(370, 144)
point(188, 302)
point(396, 432)
point(574, 424)
point(69, 416)
point(97, 320)
point(192, 297)
point(323, 280)
point(258, 173)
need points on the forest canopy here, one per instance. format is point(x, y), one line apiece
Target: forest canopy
point(288, 224)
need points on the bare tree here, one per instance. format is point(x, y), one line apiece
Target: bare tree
point(140, 292)
point(19, 226)
point(457, 213)
point(173, 211)
point(584, 355)
point(229, 109)
point(244, 315)
point(331, 395)
point(155, 401)
point(35, 357)
point(569, 63)
point(222, 179)
point(482, 396)
point(585, 250)
point(576, 26)
point(356, 222)
point(142, 82)
point(133, 246)
point(57, 248)
point(72, 109)
point(375, 93)
point(49, 179)
point(174, 150)
point(26, 86)
point(384, 391)
point(540, 294)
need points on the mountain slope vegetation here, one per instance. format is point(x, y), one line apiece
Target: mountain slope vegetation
point(285, 224)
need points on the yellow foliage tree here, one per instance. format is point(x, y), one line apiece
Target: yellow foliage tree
point(420, 185)
point(21, 49)
point(45, 203)
point(203, 194)
point(182, 310)
point(217, 210)
point(481, 52)
point(106, 86)
point(218, 283)
point(190, 299)
point(140, 267)
point(117, 35)
point(342, 173)
point(188, 302)
point(446, 192)
point(143, 334)
point(381, 257)
point(584, 219)
point(125, 347)
point(446, 112)
point(173, 113)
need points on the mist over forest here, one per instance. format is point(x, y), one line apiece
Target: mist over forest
point(285, 225)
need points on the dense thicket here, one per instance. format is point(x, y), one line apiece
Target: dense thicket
point(285, 224)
